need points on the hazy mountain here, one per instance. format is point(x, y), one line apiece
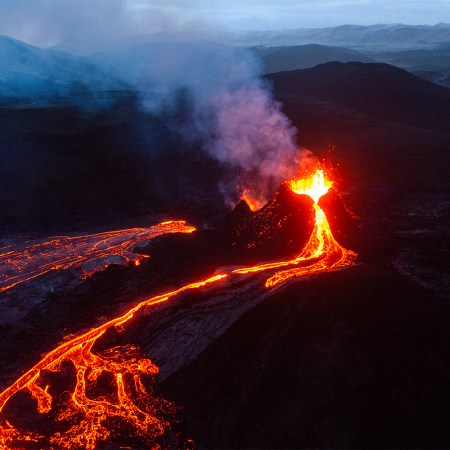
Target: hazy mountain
point(376, 89)
point(355, 36)
point(436, 59)
point(29, 71)
point(278, 59)
point(419, 59)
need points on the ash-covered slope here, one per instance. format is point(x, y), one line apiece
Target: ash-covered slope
point(435, 77)
point(27, 71)
point(380, 90)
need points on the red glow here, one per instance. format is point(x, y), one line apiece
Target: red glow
point(91, 253)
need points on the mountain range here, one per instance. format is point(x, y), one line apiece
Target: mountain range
point(27, 71)
point(395, 36)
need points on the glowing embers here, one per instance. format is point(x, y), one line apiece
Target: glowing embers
point(92, 252)
point(253, 203)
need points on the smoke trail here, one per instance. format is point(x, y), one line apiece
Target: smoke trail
point(250, 133)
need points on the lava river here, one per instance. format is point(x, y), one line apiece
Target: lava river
point(29, 260)
point(86, 416)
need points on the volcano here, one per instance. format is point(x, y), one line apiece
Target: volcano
point(86, 412)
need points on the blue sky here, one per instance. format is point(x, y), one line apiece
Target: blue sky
point(45, 22)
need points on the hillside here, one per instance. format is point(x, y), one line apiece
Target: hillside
point(380, 90)
point(278, 59)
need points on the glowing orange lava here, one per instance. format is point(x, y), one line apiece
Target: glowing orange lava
point(315, 185)
point(91, 253)
point(252, 202)
point(130, 402)
point(87, 420)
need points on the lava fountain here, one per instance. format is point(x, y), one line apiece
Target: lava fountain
point(86, 416)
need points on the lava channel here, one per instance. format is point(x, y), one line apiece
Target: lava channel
point(92, 252)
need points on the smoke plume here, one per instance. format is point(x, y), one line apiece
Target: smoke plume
point(212, 95)
point(226, 108)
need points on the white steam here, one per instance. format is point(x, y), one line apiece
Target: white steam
point(252, 134)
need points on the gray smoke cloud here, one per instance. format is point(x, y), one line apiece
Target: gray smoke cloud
point(231, 110)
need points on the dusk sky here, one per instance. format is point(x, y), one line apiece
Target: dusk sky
point(45, 22)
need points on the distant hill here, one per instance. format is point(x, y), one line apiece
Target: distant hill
point(278, 59)
point(380, 90)
point(355, 36)
point(418, 59)
point(424, 62)
point(435, 77)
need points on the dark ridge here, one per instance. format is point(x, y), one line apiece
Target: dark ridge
point(282, 58)
point(380, 90)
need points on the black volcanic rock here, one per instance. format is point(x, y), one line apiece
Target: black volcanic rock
point(352, 359)
point(342, 223)
point(377, 89)
point(280, 228)
point(240, 213)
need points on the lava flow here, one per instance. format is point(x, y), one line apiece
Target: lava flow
point(92, 252)
point(88, 415)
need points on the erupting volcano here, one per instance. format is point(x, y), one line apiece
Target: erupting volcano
point(108, 391)
point(322, 252)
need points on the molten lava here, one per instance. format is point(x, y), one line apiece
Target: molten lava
point(252, 202)
point(92, 253)
point(86, 418)
point(314, 186)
